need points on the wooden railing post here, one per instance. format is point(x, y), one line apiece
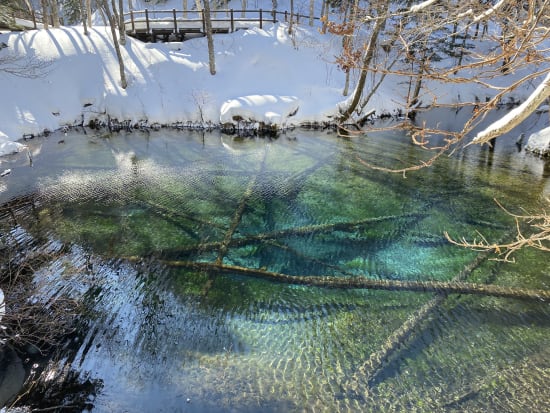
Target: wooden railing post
point(147, 21)
point(132, 20)
point(203, 23)
point(286, 16)
point(175, 21)
point(232, 22)
point(261, 22)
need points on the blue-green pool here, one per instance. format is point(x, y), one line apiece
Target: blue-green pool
point(126, 214)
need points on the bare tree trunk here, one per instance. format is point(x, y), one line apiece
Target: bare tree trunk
point(184, 8)
point(121, 25)
point(346, 44)
point(324, 15)
point(112, 24)
point(89, 12)
point(311, 12)
point(45, 14)
point(84, 16)
point(54, 8)
point(412, 100)
point(291, 17)
point(367, 59)
point(209, 38)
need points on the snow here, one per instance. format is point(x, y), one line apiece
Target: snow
point(417, 7)
point(262, 75)
point(260, 108)
point(539, 142)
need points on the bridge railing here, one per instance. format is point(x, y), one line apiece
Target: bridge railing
point(179, 21)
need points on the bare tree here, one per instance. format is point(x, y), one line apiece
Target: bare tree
point(121, 24)
point(113, 25)
point(45, 14)
point(368, 56)
point(291, 22)
point(428, 30)
point(54, 8)
point(83, 12)
point(88, 5)
point(209, 37)
point(416, 36)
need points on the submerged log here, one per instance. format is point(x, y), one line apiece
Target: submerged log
point(224, 245)
point(371, 368)
point(294, 231)
point(441, 287)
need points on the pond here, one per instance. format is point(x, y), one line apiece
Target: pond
point(183, 248)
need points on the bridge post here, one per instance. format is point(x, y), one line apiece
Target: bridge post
point(132, 20)
point(261, 22)
point(175, 21)
point(232, 21)
point(147, 21)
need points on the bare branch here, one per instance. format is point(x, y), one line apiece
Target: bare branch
point(539, 238)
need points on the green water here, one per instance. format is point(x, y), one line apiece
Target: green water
point(161, 336)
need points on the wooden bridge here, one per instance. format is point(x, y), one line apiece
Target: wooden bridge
point(152, 25)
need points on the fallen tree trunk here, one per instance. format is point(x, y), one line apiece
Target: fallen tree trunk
point(297, 231)
point(440, 287)
point(224, 245)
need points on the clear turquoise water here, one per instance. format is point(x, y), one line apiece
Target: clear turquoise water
point(161, 337)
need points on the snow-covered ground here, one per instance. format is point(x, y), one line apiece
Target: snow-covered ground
point(263, 75)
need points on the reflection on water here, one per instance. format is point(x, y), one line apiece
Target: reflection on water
point(133, 211)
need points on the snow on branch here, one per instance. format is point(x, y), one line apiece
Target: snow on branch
point(490, 11)
point(517, 115)
point(416, 8)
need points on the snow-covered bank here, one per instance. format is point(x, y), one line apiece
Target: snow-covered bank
point(266, 73)
point(539, 142)
point(62, 77)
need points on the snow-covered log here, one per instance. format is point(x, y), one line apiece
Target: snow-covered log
point(517, 115)
point(417, 7)
point(489, 11)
